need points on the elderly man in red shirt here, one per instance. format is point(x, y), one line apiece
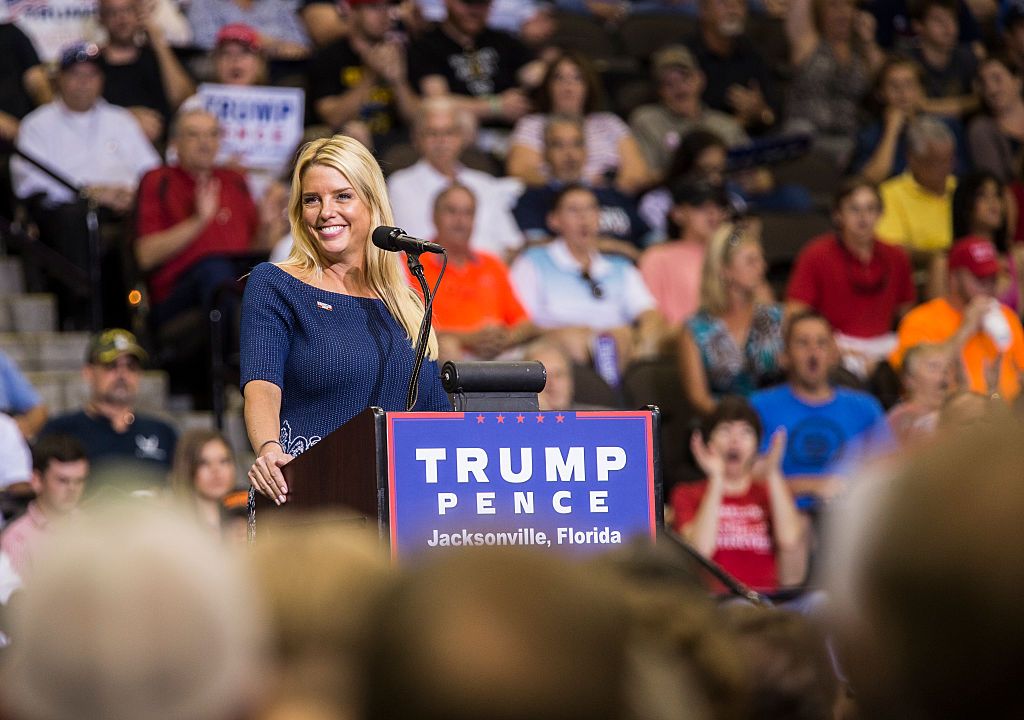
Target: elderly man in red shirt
point(861, 285)
point(193, 218)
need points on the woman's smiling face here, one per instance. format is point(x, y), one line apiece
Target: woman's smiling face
point(334, 214)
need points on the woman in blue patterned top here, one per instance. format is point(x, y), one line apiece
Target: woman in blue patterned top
point(328, 332)
point(732, 345)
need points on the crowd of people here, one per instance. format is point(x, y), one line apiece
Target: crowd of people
point(596, 230)
point(136, 610)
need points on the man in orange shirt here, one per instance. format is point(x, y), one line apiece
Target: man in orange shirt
point(476, 311)
point(971, 323)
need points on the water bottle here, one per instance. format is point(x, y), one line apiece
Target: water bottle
point(995, 325)
point(606, 359)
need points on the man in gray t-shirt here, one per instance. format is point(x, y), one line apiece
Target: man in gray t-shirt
point(660, 126)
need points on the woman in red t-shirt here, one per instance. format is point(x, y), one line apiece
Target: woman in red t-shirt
point(742, 516)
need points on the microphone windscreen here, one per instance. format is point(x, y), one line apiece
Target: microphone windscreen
point(384, 237)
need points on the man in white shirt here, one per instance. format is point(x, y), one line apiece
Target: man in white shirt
point(579, 295)
point(441, 133)
point(93, 144)
point(96, 146)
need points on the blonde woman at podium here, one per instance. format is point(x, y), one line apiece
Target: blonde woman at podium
point(329, 331)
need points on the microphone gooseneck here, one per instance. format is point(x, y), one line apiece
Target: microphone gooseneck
point(393, 239)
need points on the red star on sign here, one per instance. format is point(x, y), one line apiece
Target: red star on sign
point(479, 419)
point(501, 419)
point(540, 419)
point(520, 418)
point(560, 418)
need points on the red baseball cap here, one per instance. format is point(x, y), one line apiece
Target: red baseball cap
point(240, 33)
point(977, 254)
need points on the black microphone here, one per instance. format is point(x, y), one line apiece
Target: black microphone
point(394, 239)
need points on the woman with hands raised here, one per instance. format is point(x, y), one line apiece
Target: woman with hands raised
point(742, 515)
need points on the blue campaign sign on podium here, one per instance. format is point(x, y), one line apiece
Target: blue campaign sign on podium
point(576, 481)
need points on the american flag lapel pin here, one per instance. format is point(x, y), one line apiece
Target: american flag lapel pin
point(323, 305)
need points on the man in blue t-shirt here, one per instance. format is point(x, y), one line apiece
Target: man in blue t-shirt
point(137, 448)
point(827, 427)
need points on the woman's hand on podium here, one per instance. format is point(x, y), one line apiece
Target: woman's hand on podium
point(266, 476)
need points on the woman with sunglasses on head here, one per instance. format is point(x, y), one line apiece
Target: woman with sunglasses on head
point(579, 295)
point(731, 346)
point(861, 285)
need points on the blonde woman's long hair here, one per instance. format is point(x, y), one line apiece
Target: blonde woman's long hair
point(384, 276)
point(714, 295)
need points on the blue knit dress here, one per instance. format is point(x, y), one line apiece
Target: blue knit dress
point(332, 355)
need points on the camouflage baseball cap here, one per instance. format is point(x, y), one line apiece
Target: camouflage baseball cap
point(110, 344)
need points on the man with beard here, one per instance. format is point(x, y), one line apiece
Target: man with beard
point(140, 68)
point(743, 84)
point(828, 427)
point(361, 78)
point(109, 427)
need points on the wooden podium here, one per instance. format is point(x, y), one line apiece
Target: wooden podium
point(346, 471)
point(376, 466)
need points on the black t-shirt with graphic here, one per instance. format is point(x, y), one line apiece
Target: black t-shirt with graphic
point(141, 455)
point(136, 84)
point(337, 68)
point(488, 67)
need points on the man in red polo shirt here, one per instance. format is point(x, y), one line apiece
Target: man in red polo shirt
point(861, 285)
point(476, 311)
point(192, 218)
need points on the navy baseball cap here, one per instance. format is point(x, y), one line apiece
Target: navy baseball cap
point(79, 52)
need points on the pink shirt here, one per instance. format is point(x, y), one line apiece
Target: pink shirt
point(20, 538)
point(672, 273)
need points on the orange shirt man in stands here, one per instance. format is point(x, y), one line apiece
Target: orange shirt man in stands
point(476, 311)
point(985, 334)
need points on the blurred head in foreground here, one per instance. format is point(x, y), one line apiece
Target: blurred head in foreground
point(319, 600)
point(501, 634)
point(928, 580)
point(133, 612)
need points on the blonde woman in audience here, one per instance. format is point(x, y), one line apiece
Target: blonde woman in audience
point(204, 473)
point(733, 344)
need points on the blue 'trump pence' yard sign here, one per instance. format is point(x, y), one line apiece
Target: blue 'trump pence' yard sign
point(572, 480)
